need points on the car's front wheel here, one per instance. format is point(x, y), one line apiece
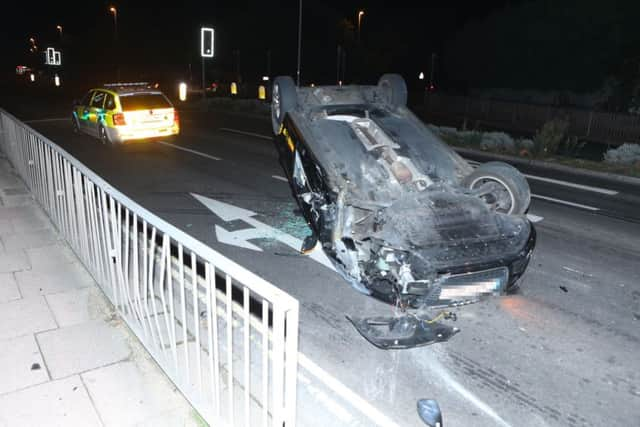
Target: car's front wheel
point(501, 186)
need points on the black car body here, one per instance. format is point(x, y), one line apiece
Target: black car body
point(391, 204)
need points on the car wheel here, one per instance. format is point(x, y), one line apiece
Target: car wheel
point(502, 186)
point(284, 98)
point(104, 136)
point(74, 124)
point(393, 90)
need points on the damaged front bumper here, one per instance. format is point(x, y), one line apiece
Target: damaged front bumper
point(406, 331)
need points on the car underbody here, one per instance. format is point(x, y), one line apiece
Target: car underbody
point(386, 201)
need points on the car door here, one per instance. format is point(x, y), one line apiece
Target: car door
point(82, 111)
point(96, 112)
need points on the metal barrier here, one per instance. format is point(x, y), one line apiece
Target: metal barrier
point(227, 338)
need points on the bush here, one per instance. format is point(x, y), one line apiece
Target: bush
point(498, 142)
point(626, 154)
point(548, 139)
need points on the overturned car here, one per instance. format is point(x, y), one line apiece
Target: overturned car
point(403, 217)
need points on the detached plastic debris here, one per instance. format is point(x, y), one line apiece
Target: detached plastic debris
point(400, 332)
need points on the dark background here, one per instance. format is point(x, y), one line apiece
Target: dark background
point(539, 44)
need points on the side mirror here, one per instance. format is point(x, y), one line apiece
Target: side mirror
point(429, 412)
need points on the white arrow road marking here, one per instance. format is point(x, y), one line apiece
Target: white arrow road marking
point(228, 212)
point(239, 238)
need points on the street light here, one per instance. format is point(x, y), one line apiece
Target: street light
point(360, 14)
point(59, 28)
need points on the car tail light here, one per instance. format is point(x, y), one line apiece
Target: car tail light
point(118, 119)
point(176, 117)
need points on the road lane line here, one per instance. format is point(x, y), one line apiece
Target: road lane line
point(241, 132)
point(279, 178)
point(564, 202)
point(198, 153)
point(600, 190)
point(574, 185)
point(57, 119)
point(345, 392)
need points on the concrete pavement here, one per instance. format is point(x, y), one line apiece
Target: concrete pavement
point(66, 359)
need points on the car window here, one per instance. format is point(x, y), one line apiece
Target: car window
point(109, 103)
point(98, 99)
point(87, 98)
point(144, 101)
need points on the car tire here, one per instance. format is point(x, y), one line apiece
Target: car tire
point(393, 90)
point(513, 194)
point(284, 98)
point(103, 135)
point(74, 124)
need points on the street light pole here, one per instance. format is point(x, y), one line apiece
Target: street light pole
point(59, 28)
point(299, 41)
point(114, 11)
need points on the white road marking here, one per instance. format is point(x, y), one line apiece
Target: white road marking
point(564, 202)
point(467, 394)
point(241, 132)
point(534, 218)
point(573, 185)
point(279, 178)
point(57, 119)
point(177, 147)
point(228, 212)
point(600, 190)
point(345, 392)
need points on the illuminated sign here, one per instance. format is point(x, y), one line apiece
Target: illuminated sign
point(206, 42)
point(53, 57)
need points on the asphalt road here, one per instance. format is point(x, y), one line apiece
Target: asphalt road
point(563, 351)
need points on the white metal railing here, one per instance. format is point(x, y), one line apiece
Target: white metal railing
point(227, 338)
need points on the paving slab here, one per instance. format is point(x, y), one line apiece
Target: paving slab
point(82, 347)
point(5, 224)
point(21, 364)
point(78, 306)
point(66, 277)
point(63, 403)
point(128, 393)
point(28, 217)
point(29, 239)
point(25, 316)
point(13, 261)
point(8, 288)
point(51, 257)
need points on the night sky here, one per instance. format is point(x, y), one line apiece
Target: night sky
point(154, 37)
